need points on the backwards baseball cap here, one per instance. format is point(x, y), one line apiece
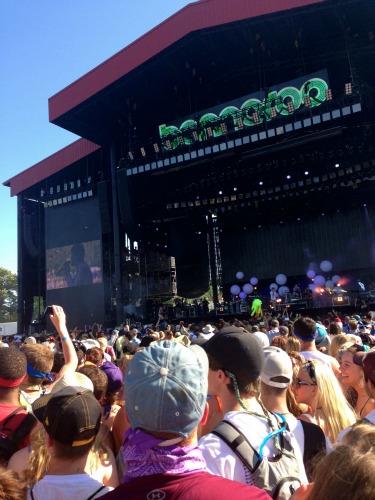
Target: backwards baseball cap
point(166, 388)
point(367, 361)
point(114, 375)
point(238, 352)
point(276, 364)
point(72, 416)
point(321, 334)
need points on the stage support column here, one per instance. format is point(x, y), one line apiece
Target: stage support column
point(116, 238)
point(20, 303)
point(213, 258)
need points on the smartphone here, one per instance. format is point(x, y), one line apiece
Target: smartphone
point(47, 311)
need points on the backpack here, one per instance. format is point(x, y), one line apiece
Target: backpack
point(11, 439)
point(279, 476)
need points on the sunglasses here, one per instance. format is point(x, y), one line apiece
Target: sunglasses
point(298, 383)
point(310, 368)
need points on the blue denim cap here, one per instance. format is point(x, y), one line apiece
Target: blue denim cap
point(166, 388)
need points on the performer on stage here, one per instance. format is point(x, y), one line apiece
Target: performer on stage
point(273, 296)
point(256, 309)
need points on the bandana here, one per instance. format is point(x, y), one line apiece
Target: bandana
point(11, 383)
point(35, 373)
point(312, 337)
point(145, 455)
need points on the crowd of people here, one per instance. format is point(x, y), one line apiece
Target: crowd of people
point(266, 408)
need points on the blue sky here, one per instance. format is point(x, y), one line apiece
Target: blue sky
point(45, 46)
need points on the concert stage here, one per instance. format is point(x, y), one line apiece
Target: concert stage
point(235, 136)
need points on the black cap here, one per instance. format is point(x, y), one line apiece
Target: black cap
point(72, 416)
point(238, 352)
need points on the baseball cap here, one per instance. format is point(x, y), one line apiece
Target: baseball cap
point(114, 375)
point(367, 361)
point(72, 416)
point(238, 352)
point(74, 379)
point(276, 364)
point(166, 388)
point(321, 334)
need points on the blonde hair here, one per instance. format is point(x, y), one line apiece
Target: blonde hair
point(292, 345)
point(349, 470)
point(337, 344)
point(338, 414)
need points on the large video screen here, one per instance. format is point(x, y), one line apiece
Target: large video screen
point(74, 265)
point(74, 276)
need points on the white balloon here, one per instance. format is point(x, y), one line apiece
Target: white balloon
point(240, 275)
point(235, 289)
point(254, 281)
point(336, 279)
point(281, 279)
point(311, 273)
point(248, 288)
point(283, 290)
point(273, 285)
point(319, 280)
point(329, 284)
point(326, 266)
point(242, 295)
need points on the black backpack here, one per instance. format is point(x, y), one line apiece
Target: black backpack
point(11, 439)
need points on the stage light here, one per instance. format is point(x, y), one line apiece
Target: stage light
point(307, 172)
point(307, 101)
point(256, 117)
point(234, 189)
point(195, 136)
point(240, 122)
point(288, 177)
point(143, 152)
point(181, 140)
point(42, 193)
point(328, 95)
point(220, 192)
point(224, 127)
point(130, 156)
point(209, 132)
point(156, 148)
point(337, 165)
point(290, 107)
point(261, 183)
point(168, 144)
point(273, 112)
point(348, 89)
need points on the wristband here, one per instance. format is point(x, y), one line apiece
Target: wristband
point(64, 338)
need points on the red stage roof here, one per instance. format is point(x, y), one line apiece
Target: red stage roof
point(51, 165)
point(193, 17)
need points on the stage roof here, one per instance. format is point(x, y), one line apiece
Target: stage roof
point(195, 16)
point(208, 53)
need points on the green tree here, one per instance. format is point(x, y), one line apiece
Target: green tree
point(8, 296)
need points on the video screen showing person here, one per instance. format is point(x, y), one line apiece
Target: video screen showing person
point(74, 265)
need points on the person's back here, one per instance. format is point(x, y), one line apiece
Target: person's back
point(71, 419)
point(236, 360)
point(15, 421)
point(165, 394)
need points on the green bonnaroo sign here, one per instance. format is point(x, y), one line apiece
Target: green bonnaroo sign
point(249, 112)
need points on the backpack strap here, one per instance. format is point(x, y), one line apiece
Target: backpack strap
point(25, 427)
point(96, 492)
point(238, 443)
point(9, 417)
point(314, 444)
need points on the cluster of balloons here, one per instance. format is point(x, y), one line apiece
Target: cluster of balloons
point(247, 288)
point(319, 280)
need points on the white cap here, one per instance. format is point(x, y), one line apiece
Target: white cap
point(276, 364)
